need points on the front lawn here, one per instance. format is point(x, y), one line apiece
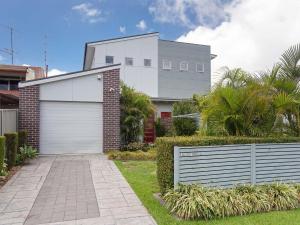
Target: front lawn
point(141, 175)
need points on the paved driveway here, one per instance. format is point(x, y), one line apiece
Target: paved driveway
point(63, 190)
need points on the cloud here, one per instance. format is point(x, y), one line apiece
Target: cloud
point(1, 58)
point(254, 38)
point(142, 25)
point(54, 72)
point(189, 13)
point(123, 29)
point(88, 12)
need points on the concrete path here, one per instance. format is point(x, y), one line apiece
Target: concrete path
point(65, 190)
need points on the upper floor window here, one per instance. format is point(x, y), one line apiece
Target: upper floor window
point(4, 85)
point(200, 67)
point(109, 59)
point(128, 61)
point(167, 64)
point(13, 84)
point(184, 66)
point(147, 62)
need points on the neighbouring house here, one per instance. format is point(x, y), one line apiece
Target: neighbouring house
point(76, 112)
point(10, 76)
point(167, 71)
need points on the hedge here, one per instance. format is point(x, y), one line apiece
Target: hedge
point(128, 155)
point(22, 139)
point(2, 153)
point(11, 148)
point(165, 146)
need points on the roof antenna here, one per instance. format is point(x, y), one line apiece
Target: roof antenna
point(45, 55)
point(10, 51)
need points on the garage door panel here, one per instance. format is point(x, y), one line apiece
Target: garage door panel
point(70, 127)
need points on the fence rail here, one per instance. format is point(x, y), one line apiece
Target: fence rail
point(8, 120)
point(228, 165)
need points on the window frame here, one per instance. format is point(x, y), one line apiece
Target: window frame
point(149, 60)
point(164, 67)
point(128, 59)
point(202, 67)
point(106, 57)
point(184, 69)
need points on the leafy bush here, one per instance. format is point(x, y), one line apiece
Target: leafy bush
point(160, 129)
point(11, 148)
point(22, 138)
point(26, 152)
point(135, 146)
point(197, 202)
point(2, 155)
point(137, 155)
point(135, 107)
point(184, 126)
point(165, 149)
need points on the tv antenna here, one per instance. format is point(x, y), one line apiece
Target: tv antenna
point(10, 51)
point(45, 54)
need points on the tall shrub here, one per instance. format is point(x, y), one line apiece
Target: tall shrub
point(22, 139)
point(184, 126)
point(2, 153)
point(11, 148)
point(135, 107)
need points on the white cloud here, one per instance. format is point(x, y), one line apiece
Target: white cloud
point(189, 13)
point(142, 25)
point(1, 58)
point(24, 64)
point(255, 36)
point(88, 12)
point(54, 72)
point(123, 29)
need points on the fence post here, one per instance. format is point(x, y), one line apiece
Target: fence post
point(176, 166)
point(253, 164)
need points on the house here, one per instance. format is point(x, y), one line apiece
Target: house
point(10, 76)
point(167, 71)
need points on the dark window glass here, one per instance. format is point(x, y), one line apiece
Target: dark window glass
point(3, 84)
point(14, 85)
point(109, 59)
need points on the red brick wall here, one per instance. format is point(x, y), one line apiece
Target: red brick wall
point(111, 110)
point(29, 113)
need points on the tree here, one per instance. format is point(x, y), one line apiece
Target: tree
point(135, 107)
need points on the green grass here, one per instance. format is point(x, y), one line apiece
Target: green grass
point(141, 175)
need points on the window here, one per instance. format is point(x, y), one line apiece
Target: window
point(147, 62)
point(3, 84)
point(167, 64)
point(13, 85)
point(129, 61)
point(109, 59)
point(184, 66)
point(200, 67)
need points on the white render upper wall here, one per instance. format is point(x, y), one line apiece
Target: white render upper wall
point(143, 79)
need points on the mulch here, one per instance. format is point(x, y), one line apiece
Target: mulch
point(12, 172)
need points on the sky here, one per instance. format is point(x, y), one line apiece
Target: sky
point(251, 34)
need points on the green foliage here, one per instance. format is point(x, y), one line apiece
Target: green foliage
point(198, 202)
point(2, 156)
point(25, 152)
point(22, 138)
point(11, 148)
point(135, 107)
point(184, 126)
point(165, 149)
point(136, 155)
point(135, 146)
point(255, 105)
point(160, 129)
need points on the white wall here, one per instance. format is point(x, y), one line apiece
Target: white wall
point(163, 107)
point(144, 79)
point(85, 89)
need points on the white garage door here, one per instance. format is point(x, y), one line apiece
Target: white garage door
point(70, 127)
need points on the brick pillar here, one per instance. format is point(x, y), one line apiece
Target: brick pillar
point(29, 114)
point(111, 110)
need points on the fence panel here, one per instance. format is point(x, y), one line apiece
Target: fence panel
point(8, 120)
point(228, 165)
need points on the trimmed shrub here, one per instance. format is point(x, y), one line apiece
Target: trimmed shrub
point(136, 146)
point(11, 148)
point(137, 155)
point(165, 146)
point(160, 129)
point(22, 139)
point(198, 202)
point(2, 154)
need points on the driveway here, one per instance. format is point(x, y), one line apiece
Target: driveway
point(65, 190)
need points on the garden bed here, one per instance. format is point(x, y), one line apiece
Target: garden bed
point(11, 173)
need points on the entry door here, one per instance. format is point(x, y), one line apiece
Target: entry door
point(71, 127)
